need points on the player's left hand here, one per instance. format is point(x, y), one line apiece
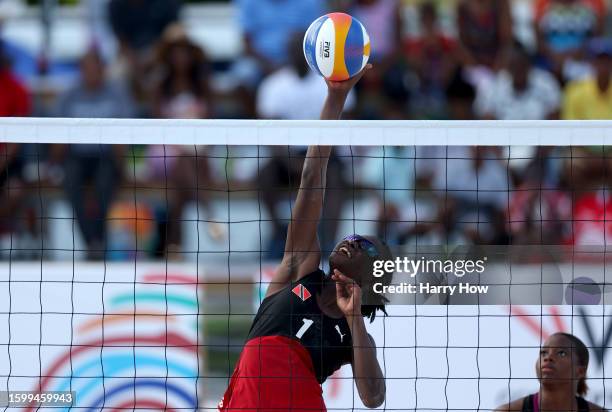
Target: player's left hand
point(348, 294)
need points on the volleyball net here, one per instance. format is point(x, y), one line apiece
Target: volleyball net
point(134, 254)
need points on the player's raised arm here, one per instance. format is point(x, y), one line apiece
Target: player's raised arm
point(302, 250)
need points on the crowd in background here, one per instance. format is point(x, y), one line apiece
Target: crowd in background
point(478, 70)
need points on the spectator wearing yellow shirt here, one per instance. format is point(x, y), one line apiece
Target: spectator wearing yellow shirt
point(591, 98)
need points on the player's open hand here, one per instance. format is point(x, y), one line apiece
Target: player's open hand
point(348, 294)
point(344, 87)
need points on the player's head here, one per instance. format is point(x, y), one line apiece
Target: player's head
point(354, 256)
point(563, 358)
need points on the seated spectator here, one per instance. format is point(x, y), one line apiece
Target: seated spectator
point(15, 98)
point(471, 187)
point(12, 189)
point(294, 92)
point(485, 33)
point(94, 95)
point(563, 28)
point(433, 56)
point(460, 96)
point(382, 93)
point(99, 165)
point(591, 99)
point(469, 184)
point(181, 92)
point(267, 27)
point(540, 210)
point(520, 92)
point(138, 25)
point(383, 21)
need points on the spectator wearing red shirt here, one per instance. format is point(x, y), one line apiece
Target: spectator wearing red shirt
point(14, 99)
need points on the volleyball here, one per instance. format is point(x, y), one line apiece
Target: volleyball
point(337, 46)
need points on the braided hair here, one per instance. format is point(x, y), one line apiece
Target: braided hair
point(376, 301)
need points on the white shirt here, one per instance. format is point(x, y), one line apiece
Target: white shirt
point(456, 175)
point(284, 95)
point(540, 99)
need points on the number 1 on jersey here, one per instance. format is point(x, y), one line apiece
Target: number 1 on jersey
point(304, 328)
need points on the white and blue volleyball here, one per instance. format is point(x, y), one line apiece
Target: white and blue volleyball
point(337, 46)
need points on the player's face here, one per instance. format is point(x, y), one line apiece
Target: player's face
point(354, 256)
point(557, 362)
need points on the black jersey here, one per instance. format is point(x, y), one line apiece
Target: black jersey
point(531, 404)
point(293, 312)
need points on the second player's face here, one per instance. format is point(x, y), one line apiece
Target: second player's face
point(557, 362)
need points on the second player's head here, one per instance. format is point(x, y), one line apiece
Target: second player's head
point(354, 256)
point(563, 360)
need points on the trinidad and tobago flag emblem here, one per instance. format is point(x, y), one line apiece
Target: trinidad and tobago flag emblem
point(301, 292)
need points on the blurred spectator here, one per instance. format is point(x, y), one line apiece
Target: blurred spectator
point(181, 92)
point(12, 189)
point(520, 92)
point(590, 225)
point(591, 98)
point(433, 55)
point(383, 21)
point(383, 93)
point(100, 29)
point(14, 98)
point(539, 209)
point(563, 28)
point(460, 96)
point(485, 33)
point(94, 95)
point(100, 165)
point(267, 27)
point(14, 102)
point(294, 92)
point(138, 25)
point(470, 184)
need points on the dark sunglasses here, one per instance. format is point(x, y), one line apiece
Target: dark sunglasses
point(363, 244)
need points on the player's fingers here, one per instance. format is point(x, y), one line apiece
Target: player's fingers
point(349, 82)
point(342, 277)
point(340, 290)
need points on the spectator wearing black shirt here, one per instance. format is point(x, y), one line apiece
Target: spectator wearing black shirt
point(138, 25)
point(98, 165)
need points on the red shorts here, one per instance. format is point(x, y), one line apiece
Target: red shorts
point(273, 374)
